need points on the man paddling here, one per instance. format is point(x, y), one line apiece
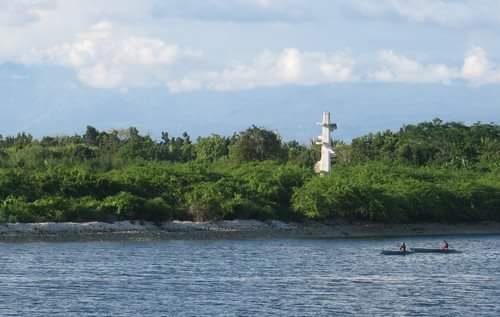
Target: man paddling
point(402, 248)
point(445, 245)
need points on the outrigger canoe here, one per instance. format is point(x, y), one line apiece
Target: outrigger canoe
point(430, 250)
point(396, 252)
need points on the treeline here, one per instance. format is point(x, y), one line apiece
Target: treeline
point(432, 171)
point(432, 143)
point(117, 148)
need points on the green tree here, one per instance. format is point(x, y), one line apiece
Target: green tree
point(91, 135)
point(257, 144)
point(211, 148)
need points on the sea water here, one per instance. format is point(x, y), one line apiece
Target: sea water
point(289, 277)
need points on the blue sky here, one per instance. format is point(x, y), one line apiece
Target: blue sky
point(218, 66)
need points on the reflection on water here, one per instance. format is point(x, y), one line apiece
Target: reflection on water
point(249, 277)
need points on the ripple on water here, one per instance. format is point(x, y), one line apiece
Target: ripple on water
point(248, 277)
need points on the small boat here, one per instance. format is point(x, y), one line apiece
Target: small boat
point(396, 252)
point(434, 250)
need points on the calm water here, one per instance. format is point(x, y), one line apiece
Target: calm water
point(249, 278)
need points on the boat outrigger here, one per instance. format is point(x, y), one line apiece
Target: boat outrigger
point(431, 250)
point(396, 252)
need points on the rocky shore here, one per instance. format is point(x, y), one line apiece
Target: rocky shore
point(234, 229)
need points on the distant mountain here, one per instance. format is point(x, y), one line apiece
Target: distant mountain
point(50, 100)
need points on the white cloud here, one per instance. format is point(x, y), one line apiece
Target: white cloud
point(100, 76)
point(478, 69)
point(337, 71)
point(106, 58)
point(184, 85)
point(238, 11)
point(475, 64)
point(123, 53)
point(21, 12)
point(452, 13)
point(400, 68)
point(290, 66)
point(36, 25)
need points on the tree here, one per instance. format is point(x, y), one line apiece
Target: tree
point(90, 136)
point(165, 138)
point(211, 148)
point(257, 144)
point(22, 140)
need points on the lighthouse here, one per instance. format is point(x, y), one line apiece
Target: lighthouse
point(323, 166)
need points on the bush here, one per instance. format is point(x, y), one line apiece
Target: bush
point(208, 201)
point(85, 209)
point(391, 193)
point(123, 206)
point(16, 209)
point(156, 210)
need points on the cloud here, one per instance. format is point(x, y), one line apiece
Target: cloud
point(22, 12)
point(101, 76)
point(478, 69)
point(451, 13)
point(475, 64)
point(106, 58)
point(118, 55)
point(290, 66)
point(239, 11)
point(399, 68)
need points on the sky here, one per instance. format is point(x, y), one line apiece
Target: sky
point(219, 66)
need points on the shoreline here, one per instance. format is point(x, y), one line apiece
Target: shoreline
point(230, 229)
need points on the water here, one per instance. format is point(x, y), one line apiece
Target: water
point(249, 278)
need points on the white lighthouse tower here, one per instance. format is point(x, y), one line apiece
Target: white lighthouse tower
point(323, 166)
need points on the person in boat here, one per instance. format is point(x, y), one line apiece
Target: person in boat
point(445, 245)
point(402, 248)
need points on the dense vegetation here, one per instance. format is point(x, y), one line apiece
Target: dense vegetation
point(432, 171)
